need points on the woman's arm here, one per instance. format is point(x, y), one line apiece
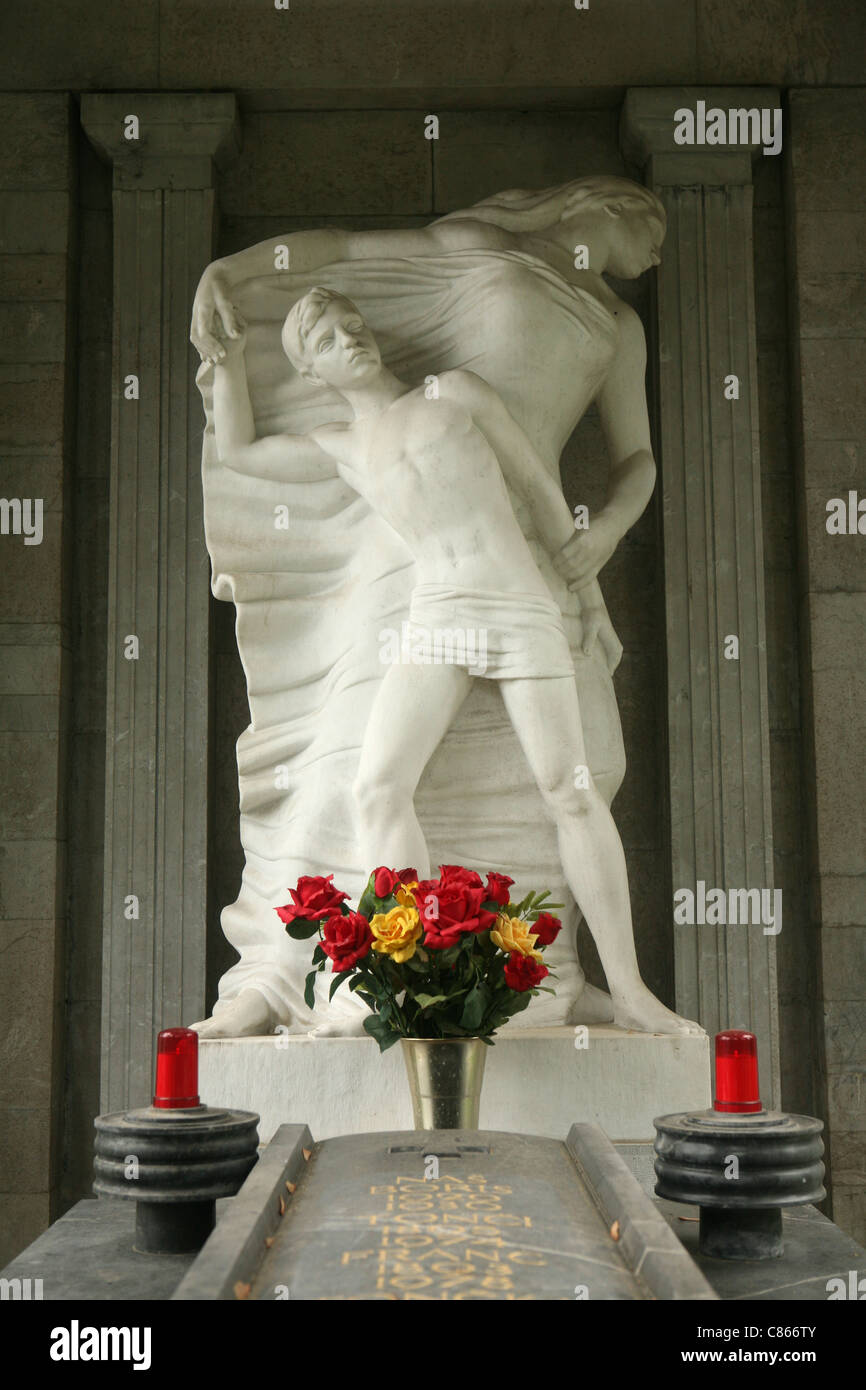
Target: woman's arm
point(522, 466)
point(622, 409)
point(214, 317)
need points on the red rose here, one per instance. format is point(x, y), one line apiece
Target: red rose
point(523, 973)
point(545, 928)
point(450, 908)
point(384, 882)
point(497, 888)
point(347, 939)
point(456, 874)
point(407, 875)
point(314, 898)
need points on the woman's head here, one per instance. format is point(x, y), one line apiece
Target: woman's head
point(631, 214)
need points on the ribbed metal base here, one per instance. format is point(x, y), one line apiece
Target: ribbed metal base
point(740, 1170)
point(175, 1164)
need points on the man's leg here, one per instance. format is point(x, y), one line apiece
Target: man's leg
point(412, 712)
point(546, 718)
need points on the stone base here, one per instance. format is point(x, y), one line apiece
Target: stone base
point(536, 1082)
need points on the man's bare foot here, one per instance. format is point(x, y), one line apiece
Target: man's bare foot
point(248, 1016)
point(342, 1018)
point(344, 1027)
point(592, 1005)
point(640, 1010)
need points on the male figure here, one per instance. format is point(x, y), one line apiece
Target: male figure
point(435, 470)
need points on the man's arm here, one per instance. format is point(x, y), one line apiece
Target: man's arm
point(522, 466)
point(234, 426)
point(528, 474)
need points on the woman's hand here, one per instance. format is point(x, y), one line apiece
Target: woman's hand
point(215, 320)
point(597, 627)
point(587, 552)
point(234, 345)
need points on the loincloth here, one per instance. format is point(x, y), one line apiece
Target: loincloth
point(492, 633)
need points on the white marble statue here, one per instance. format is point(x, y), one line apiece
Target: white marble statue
point(486, 309)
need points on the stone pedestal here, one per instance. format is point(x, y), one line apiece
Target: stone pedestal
point(708, 442)
point(536, 1082)
point(163, 150)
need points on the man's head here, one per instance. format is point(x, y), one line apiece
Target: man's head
point(326, 339)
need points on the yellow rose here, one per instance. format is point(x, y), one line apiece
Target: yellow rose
point(513, 934)
point(405, 894)
point(396, 933)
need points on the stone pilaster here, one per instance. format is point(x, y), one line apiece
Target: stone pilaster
point(163, 150)
point(718, 730)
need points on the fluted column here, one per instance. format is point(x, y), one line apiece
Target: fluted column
point(163, 150)
point(707, 413)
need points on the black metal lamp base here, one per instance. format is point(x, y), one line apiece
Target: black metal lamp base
point(175, 1164)
point(741, 1170)
point(726, 1234)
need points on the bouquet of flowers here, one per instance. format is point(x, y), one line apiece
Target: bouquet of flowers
point(435, 958)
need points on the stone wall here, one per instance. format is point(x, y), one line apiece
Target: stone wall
point(329, 53)
point(37, 262)
point(826, 176)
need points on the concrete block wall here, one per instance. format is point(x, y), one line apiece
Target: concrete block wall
point(37, 257)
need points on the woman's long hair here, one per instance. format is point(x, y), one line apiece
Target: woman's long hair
point(517, 210)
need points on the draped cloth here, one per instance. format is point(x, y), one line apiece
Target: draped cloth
point(316, 576)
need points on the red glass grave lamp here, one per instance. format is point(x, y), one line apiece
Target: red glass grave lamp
point(737, 1073)
point(176, 1069)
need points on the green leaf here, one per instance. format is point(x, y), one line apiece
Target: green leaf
point(426, 1001)
point(477, 1001)
point(379, 1029)
point(337, 981)
point(319, 955)
point(367, 905)
point(301, 929)
point(449, 1029)
point(310, 989)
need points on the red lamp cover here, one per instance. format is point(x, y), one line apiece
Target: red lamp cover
point(176, 1069)
point(737, 1072)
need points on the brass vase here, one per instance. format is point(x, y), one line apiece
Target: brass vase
point(445, 1076)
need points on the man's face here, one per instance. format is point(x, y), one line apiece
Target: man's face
point(340, 351)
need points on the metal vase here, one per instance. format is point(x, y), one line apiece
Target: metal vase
point(445, 1076)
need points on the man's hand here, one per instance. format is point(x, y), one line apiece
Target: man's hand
point(587, 552)
point(215, 320)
